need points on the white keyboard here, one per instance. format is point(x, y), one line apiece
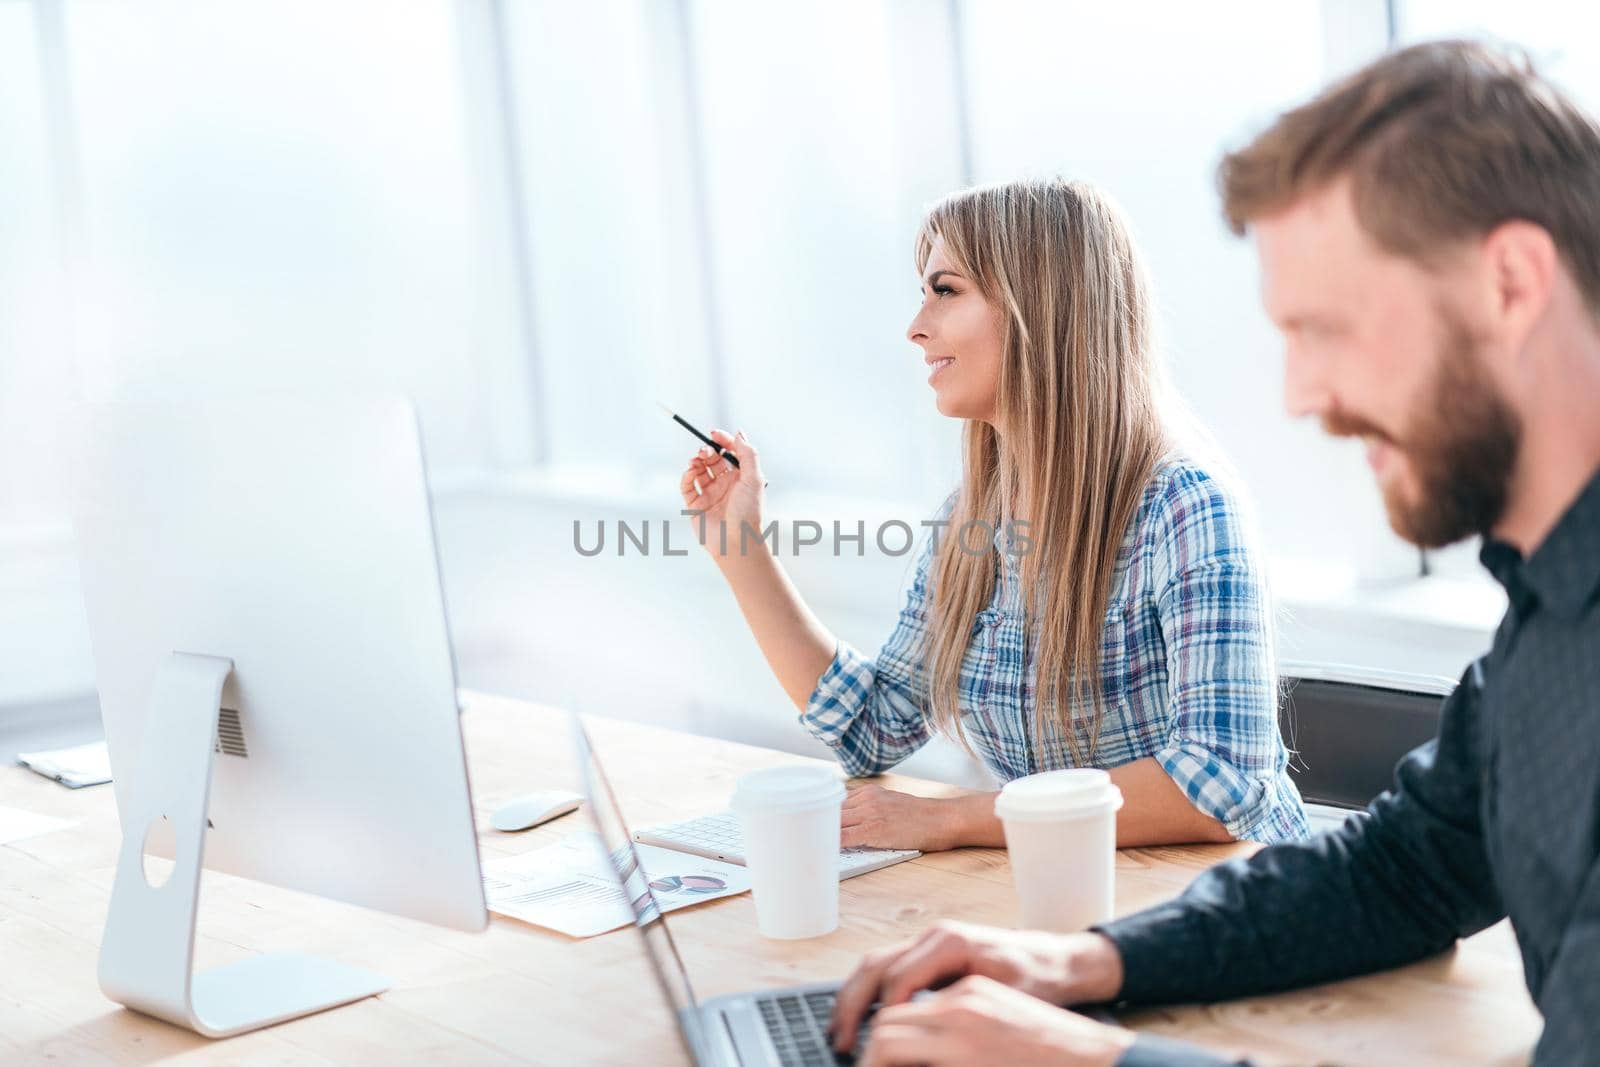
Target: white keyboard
point(719, 837)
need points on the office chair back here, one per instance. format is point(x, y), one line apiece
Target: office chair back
point(1347, 727)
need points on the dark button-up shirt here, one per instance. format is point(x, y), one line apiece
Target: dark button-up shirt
point(1498, 815)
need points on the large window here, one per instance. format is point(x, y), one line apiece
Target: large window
point(199, 195)
point(1064, 89)
point(724, 222)
point(718, 215)
point(1561, 39)
point(274, 195)
point(540, 218)
point(708, 203)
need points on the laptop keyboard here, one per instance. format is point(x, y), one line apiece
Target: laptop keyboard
point(797, 1023)
point(721, 834)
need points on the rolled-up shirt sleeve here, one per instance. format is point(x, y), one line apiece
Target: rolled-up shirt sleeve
point(873, 712)
point(1224, 750)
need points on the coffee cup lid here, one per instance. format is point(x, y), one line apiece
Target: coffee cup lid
point(1077, 792)
point(788, 788)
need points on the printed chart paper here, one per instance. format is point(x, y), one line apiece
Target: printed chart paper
point(572, 886)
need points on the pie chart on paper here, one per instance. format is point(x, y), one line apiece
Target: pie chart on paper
point(693, 884)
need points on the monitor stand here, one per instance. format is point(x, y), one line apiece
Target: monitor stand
point(147, 954)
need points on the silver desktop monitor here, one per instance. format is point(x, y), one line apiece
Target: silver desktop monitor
point(276, 683)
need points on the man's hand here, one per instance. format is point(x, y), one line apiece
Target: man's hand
point(978, 1020)
point(875, 817)
point(1058, 968)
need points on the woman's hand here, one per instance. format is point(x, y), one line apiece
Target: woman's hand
point(730, 498)
point(875, 817)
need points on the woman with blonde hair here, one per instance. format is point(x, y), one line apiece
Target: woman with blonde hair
point(1118, 620)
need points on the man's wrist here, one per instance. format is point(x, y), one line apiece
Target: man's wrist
point(1092, 970)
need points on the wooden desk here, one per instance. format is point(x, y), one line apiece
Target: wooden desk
point(518, 994)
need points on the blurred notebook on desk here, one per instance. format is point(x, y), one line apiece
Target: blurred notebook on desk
point(73, 767)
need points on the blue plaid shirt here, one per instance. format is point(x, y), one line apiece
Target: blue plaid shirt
point(1186, 672)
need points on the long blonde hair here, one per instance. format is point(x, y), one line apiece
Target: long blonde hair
point(1078, 434)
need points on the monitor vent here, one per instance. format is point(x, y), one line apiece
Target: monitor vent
point(230, 734)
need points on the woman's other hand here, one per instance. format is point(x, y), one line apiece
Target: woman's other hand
point(875, 817)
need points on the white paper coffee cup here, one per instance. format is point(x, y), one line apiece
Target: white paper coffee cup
point(790, 820)
point(1061, 832)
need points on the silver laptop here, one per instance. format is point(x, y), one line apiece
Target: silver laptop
point(784, 1027)
point(774, 1028)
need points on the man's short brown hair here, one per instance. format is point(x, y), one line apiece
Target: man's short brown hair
point(1442, 142)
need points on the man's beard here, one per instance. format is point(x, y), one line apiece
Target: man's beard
point(1462, 445)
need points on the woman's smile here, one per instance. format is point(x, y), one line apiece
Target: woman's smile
point(955, 316)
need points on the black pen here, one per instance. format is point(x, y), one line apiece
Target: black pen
point(726, 454)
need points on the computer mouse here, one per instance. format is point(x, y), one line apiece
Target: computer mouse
point(529, 811)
